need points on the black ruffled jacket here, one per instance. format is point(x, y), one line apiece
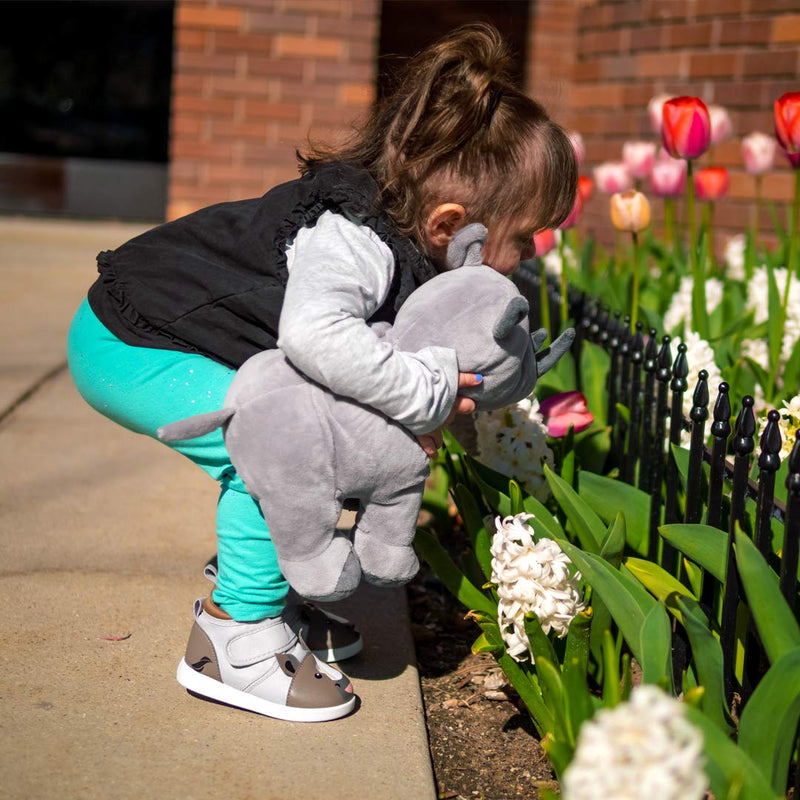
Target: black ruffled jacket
point(213, 282)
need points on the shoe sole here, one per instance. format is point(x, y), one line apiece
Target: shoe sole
point(201, 684)
point(340, 653)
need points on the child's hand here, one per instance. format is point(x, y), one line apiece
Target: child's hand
point(431, 442)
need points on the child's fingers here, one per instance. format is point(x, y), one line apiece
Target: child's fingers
point(431, 442)
point(469, 379)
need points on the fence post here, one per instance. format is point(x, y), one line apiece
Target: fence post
point(791, 531)
point(698, 416)
point(650, 367)
point(743, 445)
point(657, 449)
point(678, 385)
point(720, 430)
point(634, 431)
point(769, 462)
point(613, 341)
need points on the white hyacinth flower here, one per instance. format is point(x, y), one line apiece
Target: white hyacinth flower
point(734, 257)
point(645, 749)
point(531, 577)
point(789, 424)
point(514, 441)
point(758, 302)
point(679, 313)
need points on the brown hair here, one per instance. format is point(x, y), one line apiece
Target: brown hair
point(457, 129)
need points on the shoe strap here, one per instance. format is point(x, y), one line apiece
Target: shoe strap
point(258, 641)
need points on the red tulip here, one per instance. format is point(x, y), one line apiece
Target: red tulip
point(585, 188)
point(787, 125)
point(711, 183)
point(686, 131)
point(544, 242)
point(564, 410)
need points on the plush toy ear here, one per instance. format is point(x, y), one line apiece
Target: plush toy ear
point(547, 358)
point(539, 337)
point(465, 247)
point(514, 313)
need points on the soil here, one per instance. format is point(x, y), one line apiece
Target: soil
point(483, 744)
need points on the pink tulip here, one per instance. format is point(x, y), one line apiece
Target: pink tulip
point(686, 131)
point(655, 110)
point(544, 242)
point(577, 146)
point(721, 127)
point(572, 220)
point(639, 158)
point(612, 176)
point(565, 410)
point(711, 183)
point(668, 177)
point(758, 151)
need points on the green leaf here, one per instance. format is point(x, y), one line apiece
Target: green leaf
point(595, 363)
point(588, 527)
point(629, 605)
point(612, 684)
point(656, 636)
point(483, 645)
point(578, 701)
point(612, 547)
point(769, 720)
point(774, 321)
point(475, 527)
point(493, 485)
point(707, 659)
point(515, 496)
point(527, 687)
point(656, 579)
point(774, 619)
point(608, 496)
point(450, 575)
point(543, 520)
point(706, 545)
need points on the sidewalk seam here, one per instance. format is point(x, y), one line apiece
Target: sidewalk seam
point(30, 392)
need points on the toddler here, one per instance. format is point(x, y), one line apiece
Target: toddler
point(311, 267)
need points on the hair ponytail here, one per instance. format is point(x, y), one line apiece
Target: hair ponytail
point(458, 129)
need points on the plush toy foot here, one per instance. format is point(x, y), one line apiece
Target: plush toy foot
point(332, 575)
point(384, 564)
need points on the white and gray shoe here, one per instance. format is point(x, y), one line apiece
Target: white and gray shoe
point(263, 667)
point(328, 636)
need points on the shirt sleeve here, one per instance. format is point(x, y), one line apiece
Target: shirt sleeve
point(339, 275)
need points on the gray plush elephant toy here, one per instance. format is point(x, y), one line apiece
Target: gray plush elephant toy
point(302, 450)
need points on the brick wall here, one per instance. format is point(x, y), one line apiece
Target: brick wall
point(252, 80)
point(742, 54)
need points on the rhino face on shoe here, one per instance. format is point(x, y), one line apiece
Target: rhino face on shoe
point(301, 450)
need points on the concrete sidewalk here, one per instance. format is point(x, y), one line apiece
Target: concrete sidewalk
point(104, 534)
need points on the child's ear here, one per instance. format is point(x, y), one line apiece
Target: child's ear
point(442, 224)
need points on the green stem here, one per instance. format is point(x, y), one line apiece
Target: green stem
point(544, 299)
point(790, 270)
point(669, 222)
point(712, 261)
point(699, 321)
point(563, 284)
point(635, 302)
point(756, 221)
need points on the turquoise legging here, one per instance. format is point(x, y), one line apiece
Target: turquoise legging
point(142, 388)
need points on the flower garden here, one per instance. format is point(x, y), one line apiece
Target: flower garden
point(633, 573)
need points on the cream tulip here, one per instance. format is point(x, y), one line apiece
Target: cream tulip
point(630, 211)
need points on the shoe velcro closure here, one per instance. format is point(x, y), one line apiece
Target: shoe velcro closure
point(259, 642)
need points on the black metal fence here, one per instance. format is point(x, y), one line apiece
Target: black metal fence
point(645, 379)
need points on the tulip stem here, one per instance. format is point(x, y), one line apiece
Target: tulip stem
point(756, 229)
point(564, 314)
point(699, 321)
point(635, 301)
point(544, 299)
point(669, 222)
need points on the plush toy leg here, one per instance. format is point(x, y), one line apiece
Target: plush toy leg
point(383, 536)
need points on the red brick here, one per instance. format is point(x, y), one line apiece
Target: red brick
point(626, 13)
point(713, 64)
point(774, 62)
point(239, 87)
point(264, 109)
point(356, 94)
point(646, 38)
point(258, 43)
point(362, 51)
point(209, 18)
point(347, 29)
point(301, 92)
point(694, 34)
point(598, 95)
point(308, 47)
point(237, 130)
point(638, 94)
point(332, 114)
point(597, 16)
point(774, 89)
point(192, 104)
point(773, 5)
point(741, 185)
point(786, 28)
point(337, 8)
point(668, 9)
point(617, 67)
point(740, 93)
point(240, 174)
point(180, 124)
point(721, 8)
point(334, 71)
point(745, 31)
point(274, 67)
point(275, 23)
point(661, 65)
point(184, 83)
point(589, 70)
point(206, 63)
point(206, 151)
point(188, 39)
point(268, 153)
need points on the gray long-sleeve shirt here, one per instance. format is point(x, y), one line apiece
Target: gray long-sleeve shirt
point(339, 275)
